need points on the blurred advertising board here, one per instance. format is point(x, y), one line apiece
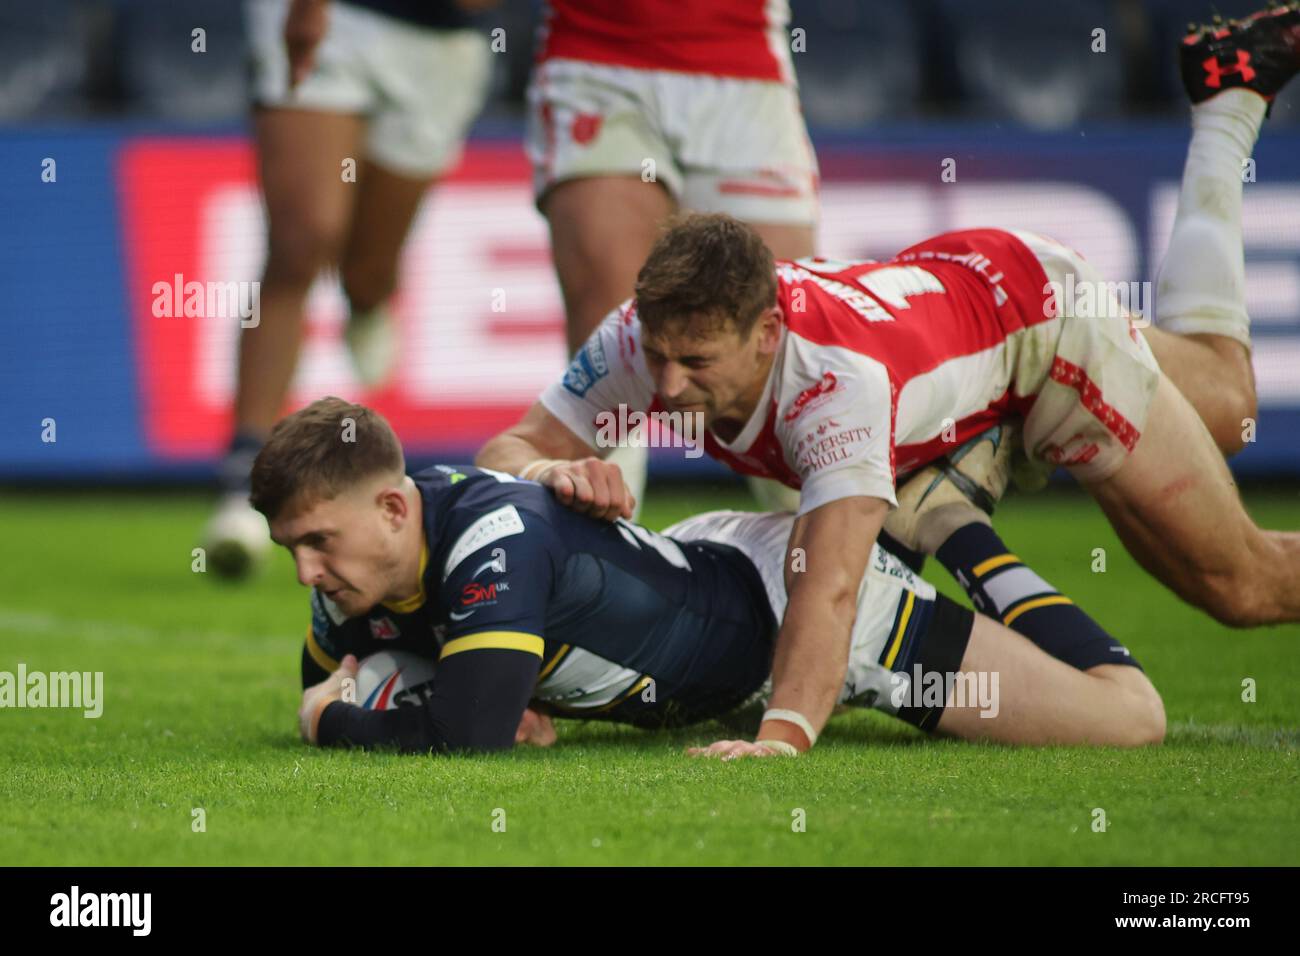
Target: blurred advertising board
point(124, 279)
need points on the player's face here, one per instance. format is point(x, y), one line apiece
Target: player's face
point(343, 546)
point(719, 374)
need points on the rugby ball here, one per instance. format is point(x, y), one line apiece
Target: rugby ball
point(391, 679)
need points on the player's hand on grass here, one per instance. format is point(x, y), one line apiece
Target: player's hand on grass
point(304, 28)
point(319, 696)
point(733, 750)
point(591, 487)
point(535, 729)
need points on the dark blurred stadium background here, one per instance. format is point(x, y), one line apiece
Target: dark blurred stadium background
point(155, 178)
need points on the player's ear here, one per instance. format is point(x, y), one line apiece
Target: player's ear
point(391, 500)
point(768, 330)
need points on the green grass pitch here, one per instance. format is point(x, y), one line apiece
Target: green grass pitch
point(201, 689)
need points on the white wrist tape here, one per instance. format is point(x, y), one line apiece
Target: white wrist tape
point(780, 746)
point(533, 470)
point(796, 718)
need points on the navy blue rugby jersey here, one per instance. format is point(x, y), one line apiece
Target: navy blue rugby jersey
point(523, 599)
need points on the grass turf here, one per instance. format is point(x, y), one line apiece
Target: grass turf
point(200, 686)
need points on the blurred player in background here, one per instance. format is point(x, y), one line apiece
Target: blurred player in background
point(637, 109)
point(389, 89)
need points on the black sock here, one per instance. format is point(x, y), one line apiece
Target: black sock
point(233, 472)
point(1002, 587)
point(913, 559)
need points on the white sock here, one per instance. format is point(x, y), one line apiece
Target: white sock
point(1201, 287)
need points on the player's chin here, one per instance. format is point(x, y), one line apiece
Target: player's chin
point(346, 600)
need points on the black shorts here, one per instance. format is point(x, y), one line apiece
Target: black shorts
point(938, 648)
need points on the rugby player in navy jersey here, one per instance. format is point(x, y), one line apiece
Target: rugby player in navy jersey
point(519, 599)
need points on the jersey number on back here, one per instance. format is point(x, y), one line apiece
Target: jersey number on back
point(892, 285)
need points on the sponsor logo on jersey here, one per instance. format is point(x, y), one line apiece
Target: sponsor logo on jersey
point(587, 368)
point(493, 526)
point(475, 595)
point(383, 629)
point(811, 398)
point(827, 451)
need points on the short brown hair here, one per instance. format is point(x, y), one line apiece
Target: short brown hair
point(706, 271)
point(320, 451)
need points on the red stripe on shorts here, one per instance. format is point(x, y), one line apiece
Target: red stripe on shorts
point(1070, 375)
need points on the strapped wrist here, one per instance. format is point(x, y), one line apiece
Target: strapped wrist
point(534, 470)
point(795, 718)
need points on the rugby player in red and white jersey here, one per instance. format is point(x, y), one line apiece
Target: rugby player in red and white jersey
point(641, 108)
point(836, 377)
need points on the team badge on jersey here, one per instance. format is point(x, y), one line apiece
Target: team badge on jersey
point(587, 368)
point(383, 629)
point(812, 397)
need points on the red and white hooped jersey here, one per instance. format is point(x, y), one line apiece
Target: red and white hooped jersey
point(742, 39)
point(882, 365)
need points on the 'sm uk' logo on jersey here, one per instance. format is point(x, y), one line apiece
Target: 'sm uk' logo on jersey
point(475, 593)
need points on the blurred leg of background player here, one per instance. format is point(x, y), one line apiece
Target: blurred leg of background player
point(394, 100)
point(617, 150)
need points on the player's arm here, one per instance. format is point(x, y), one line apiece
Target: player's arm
point(828, 553)
point(558, 443)
point(843, 453)
point(543, 449)
point(481, 688)
point(489, 662)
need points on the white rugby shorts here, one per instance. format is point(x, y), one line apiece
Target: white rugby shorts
point(717, 144)
point(890, 597)
point(419, 88)
point(1092, 371)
